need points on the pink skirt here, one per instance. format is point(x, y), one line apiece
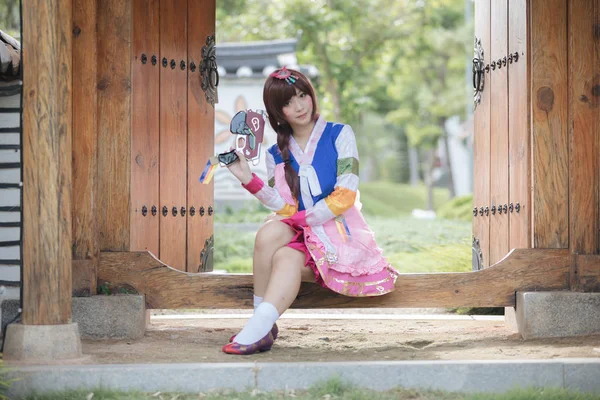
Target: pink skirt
point(297, 243)
point(357, 270)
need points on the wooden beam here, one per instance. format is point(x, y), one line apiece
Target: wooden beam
point(550, 144)
point(584, 124)
point(86, 246)
point(47, 118)
point(114, 123)
point(165, 287)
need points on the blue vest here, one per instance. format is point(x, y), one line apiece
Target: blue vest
point(324, 161)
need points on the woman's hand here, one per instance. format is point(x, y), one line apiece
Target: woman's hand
point(240, 169)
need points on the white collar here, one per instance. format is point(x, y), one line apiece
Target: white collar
point(305, 157)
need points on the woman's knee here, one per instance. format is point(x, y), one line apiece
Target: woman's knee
point(272, 234)
point(288, 259)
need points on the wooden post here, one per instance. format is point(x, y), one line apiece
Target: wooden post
point(47, 162)
point(86, 246)
point(550, 143)
point(114, 122)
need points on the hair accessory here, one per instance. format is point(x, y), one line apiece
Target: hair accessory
point(284, 74)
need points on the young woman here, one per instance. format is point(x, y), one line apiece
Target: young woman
point(317, 232)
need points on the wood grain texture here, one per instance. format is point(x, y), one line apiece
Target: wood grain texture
point(550, 152)
point(584, 124)
point(519, 152)
point(145, 126)
point(83, 280)
point(499, 132)
point(201, 137)
point(173, 132)
point(47, 146)
point(114, 123)
point(585, 273)
point(86, 244)
point(481, 140)
point(521, 270)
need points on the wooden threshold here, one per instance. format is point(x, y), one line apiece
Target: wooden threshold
point(168, 288)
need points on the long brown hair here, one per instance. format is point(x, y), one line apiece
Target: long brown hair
point(276, 93)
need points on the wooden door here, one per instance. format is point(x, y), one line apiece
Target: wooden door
point(502, 135)
point(519, 138)
point(172, 132)
point(499, 132)
point(481, 140)
point(201, 117)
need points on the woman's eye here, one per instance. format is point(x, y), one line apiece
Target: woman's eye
point(302, 95)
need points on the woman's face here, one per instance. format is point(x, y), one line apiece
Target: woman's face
point(299, 110)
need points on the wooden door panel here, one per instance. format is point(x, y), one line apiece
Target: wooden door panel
point(518, 130)
point(173, 131)
point(499, 132)
point(481, 140)
point(114, 24)
point(549, 115)
point(584, 76)
point(201, 15)
point(145, 126)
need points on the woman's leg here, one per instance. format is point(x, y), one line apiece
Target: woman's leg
point(288, 272)
point(272, 236)
point(284, 284)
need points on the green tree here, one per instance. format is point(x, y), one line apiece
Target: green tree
point(427, 78)
point(10, 17)
point(343, 39)
point(402, 59)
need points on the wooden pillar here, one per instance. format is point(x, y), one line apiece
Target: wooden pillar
point(47, 119)
point(85, 150)
point(584, 122)
point(114, 122)
point(550, 151)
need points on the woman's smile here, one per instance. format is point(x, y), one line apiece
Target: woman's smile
point(302, 116)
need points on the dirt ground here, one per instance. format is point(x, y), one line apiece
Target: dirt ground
point(327, 339)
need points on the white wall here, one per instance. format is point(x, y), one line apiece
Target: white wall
point(9, 197)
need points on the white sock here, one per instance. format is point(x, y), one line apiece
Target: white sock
point(257, 301)
point(259, 324)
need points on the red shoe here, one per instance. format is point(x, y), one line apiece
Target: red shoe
point(274, 332)
point(263, 344)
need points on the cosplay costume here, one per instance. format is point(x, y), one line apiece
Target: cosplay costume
point(330, 229)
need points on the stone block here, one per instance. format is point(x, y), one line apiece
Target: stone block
point(111, 317)
point(10, 310)
point(557, 314)
point(42, 343)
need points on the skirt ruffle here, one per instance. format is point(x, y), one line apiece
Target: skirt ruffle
point(376, 283)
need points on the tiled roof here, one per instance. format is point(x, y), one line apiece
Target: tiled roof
point(10, 65)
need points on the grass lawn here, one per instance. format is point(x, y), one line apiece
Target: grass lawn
point(410, 245)
point(330, 390)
